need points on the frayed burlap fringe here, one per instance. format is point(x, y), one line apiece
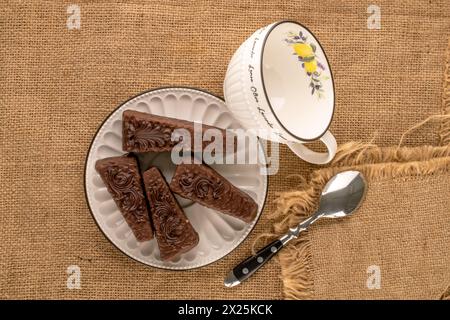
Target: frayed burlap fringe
point(445, 126)
point(446, 294)
point(292, 206)
point(375, 163)
point(355, 153)
point(296, 270)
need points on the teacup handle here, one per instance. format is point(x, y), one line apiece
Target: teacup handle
point(316, 157)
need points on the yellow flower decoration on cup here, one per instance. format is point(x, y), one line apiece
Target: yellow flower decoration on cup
point(306, 53)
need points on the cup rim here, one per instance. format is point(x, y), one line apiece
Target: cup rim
point(272, 27)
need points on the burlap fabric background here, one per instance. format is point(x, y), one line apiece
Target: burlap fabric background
point(57, 85)
point(401, 227)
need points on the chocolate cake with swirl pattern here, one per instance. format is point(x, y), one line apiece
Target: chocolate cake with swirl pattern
point(123, 181)
point(173, 231)
point(200, 183)
point(145, 132)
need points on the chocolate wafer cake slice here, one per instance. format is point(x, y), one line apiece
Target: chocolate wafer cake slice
point(200, 183)
point(173, 231)
point(145, 132)
point(123, 181)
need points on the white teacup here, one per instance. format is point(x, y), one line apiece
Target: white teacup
point(279, 81)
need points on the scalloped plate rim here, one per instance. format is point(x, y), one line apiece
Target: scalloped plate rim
point(88, 159)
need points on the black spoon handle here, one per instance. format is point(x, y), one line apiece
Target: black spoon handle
point(245, 269)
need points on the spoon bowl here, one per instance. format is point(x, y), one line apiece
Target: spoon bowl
point(342, 195)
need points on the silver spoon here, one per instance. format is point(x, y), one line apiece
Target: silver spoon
point(341, 196)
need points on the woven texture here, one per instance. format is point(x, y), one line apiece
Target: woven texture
point(401, 228)
point(58, 85)
point(445, 125)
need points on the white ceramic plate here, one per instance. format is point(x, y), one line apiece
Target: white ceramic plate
point(219, 234)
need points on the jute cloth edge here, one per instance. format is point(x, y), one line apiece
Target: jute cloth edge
point(445, 125)
point(296, 205)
